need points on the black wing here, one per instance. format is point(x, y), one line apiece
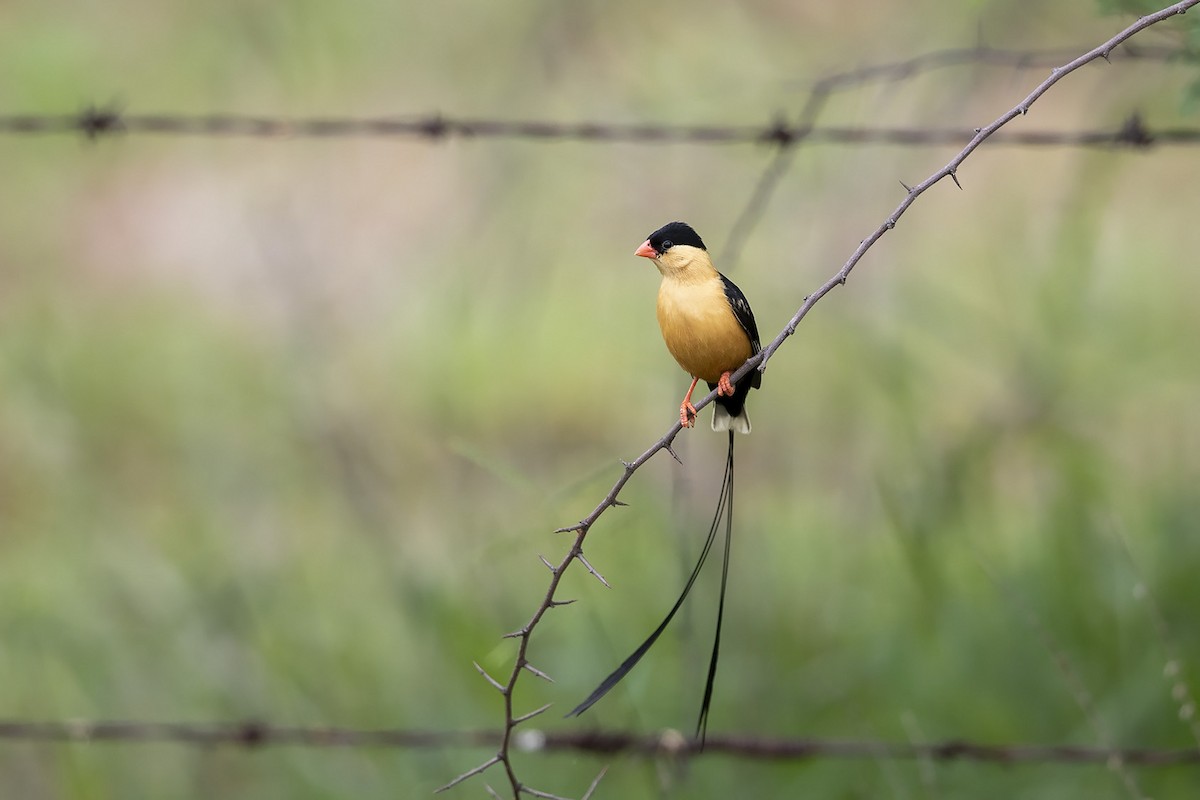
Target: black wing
point(741, 310)
point(745, 317)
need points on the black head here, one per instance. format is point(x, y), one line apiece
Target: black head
point(674, 233)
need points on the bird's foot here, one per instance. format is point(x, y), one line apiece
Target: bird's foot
point(687, 414)
point(724, 387)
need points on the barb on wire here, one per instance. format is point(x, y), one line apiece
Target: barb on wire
point(599, 743)
point(759, 361)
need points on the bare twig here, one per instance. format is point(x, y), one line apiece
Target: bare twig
point(758, 361)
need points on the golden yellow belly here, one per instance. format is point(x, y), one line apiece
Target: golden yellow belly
point(700, 329)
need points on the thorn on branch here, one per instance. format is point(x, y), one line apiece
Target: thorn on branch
point(674, 455)
point(907, 188)
point(557, 603)
point(537, 672)
point(591, 569)
point(571, 528)
point(617, 502)
point(517, 634)
point(954, 177)
point(531, 714)
point(495, 683)
point(549, 566)
point(544, 795)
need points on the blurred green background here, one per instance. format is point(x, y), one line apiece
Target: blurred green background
point(284, 424)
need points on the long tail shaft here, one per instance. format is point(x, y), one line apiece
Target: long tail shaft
point(724, 510)
point(726, 499)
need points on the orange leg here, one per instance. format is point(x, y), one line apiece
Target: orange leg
point(724, 387)
point(687, 411)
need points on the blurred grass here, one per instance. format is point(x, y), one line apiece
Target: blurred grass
point(284, 425)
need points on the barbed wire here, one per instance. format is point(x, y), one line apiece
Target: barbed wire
point(669, 743)
point(95, 123)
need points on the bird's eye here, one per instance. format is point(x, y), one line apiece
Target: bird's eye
point(667, 245)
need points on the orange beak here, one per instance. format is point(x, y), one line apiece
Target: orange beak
point(646, 251)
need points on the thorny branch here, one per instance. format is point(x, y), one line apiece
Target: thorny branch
point(581, 529)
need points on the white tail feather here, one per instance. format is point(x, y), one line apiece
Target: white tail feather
point(721, 421)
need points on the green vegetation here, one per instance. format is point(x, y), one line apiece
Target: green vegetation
point(285, 424)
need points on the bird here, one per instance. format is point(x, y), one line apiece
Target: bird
point(706, 323)
point(709, 329)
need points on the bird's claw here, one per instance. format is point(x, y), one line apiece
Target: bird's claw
point(724, 387)
point(687, 415)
